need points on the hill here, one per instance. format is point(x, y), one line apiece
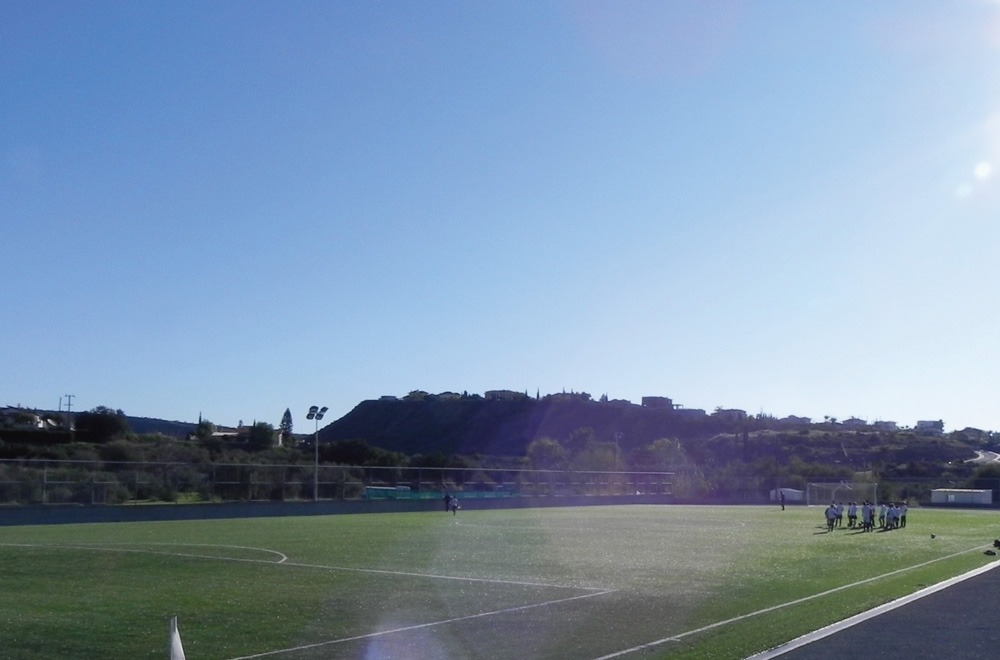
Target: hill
point(474, 425)
point(176, 429)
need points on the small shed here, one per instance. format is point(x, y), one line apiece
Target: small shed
point(791, 495)
point(961, 496)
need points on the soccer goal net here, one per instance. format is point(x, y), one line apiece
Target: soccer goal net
point(841, 491)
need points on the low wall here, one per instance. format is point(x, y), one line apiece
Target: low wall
point(69, 514)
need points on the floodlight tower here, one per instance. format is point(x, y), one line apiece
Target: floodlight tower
point(316, 413)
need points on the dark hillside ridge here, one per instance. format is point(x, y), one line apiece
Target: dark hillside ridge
point(474, 425)
point(143, 425)
point(505, 428)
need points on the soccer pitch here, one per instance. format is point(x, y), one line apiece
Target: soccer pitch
point(585, 582)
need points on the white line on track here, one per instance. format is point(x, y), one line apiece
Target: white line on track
point(418, 626)
point(875, 611)
point(735, 619)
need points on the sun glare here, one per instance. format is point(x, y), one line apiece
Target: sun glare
point(981, 172)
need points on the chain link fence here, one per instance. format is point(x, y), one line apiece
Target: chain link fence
point(44, 481)
point(38, 481)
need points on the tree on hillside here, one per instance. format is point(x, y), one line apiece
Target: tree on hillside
point(286, 427)
point(662, 454)
point(204, 430)
point(580, 439)
point(359, 452)
point(100, 425)
point(546, 454)
point(261, 436)
point(738, 480)
point(347, 452)
point(596, 456)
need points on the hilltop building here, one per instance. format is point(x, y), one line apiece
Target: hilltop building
point(930, 426)
point(730, 414)
point(504, 395)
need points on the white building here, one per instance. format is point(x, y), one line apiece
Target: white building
point(930, 427)
point(959, 496)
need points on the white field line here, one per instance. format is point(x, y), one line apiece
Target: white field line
point(548, 528)
point(115, 547)
point(666, 529)
point(418, 626)
point(435, 576)
point(284, 562)
point(797, 601)
point(594, 591)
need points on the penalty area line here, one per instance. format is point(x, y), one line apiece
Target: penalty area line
point(458, 578)
point(418, 626)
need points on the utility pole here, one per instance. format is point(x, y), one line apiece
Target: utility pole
point(69, 413)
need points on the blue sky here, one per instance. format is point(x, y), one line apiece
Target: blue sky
point(231, 208)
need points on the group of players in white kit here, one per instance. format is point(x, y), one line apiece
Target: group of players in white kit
point(891, 515)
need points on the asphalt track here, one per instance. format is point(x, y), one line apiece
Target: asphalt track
point(957, 620)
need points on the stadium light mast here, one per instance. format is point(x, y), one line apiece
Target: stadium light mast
point(316, 413)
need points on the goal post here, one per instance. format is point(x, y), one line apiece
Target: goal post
point(841, 491)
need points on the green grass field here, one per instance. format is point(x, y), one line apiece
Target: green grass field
point(640, 581)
